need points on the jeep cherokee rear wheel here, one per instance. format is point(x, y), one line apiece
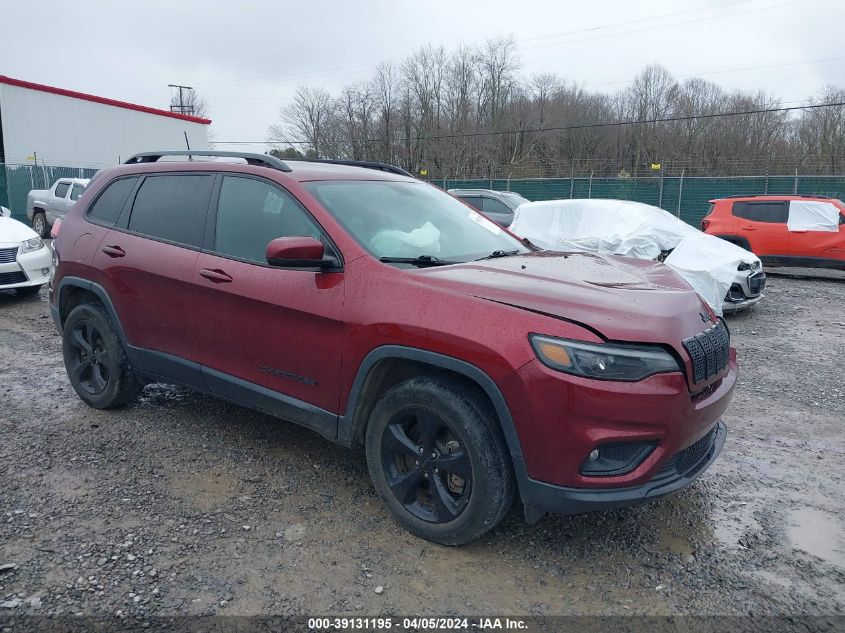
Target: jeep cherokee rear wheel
point(95, 359)
point(438, 461)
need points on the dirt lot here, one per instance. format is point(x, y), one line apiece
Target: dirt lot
point(182, 504)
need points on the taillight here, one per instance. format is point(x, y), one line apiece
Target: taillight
point(704, 224)
point(54, 232)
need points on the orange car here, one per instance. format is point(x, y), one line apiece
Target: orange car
point(790, 230)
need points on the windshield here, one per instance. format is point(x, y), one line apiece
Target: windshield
point(411, 219)
point(515, 198)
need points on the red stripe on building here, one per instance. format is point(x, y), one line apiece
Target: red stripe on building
point(110, 102)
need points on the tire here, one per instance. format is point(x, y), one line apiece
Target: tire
point(39, 224)
point(104, 379)
point(28, 291)
point(462, 483)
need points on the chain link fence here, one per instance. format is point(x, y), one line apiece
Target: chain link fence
point(685, 197)
point(16, 181)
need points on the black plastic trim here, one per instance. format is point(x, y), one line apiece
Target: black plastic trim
point(350, 424)
point(268, 401)
point(540, 497)
point(803, 262)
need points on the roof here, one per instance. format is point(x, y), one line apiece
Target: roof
point(102, 100)
point(301, 170)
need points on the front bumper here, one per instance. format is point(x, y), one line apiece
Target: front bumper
point(27, 270)
point(681, 470)
point(746, 290)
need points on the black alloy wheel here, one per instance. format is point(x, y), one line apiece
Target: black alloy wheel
point(427, 468)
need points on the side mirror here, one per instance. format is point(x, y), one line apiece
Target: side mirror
point(5, 213)
point(298, 252)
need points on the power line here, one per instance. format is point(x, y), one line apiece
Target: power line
point(661, 26)
point(365, 67)
point(560, 128)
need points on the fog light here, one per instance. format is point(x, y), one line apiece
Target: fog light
point(616, 458)
point(45, 271)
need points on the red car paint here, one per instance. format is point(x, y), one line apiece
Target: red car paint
point(320, 326)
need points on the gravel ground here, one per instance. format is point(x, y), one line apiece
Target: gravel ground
point(180, 504)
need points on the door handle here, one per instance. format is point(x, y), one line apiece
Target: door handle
point(798, 231)
point(749, 228)
point(215, 275)
point(114, 251)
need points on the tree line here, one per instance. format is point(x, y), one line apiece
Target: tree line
point(473, 113)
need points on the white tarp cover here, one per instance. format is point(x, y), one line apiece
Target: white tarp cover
point(620, 227)
point(812, 215)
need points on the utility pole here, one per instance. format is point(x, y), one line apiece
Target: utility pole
point(181, 108)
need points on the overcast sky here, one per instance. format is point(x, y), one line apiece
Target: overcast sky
point(247, 57)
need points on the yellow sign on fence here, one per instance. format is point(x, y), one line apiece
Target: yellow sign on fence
point(656, 166)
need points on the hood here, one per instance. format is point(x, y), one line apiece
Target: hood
point(14, 232)
point(621, 298)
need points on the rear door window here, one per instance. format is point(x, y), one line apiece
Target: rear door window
point(76, 191)
point(172, 208)
point(61, 189)
point(772, 212)
point(110, 202)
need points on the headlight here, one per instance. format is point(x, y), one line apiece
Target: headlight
point(603, 361)
point(31, 245)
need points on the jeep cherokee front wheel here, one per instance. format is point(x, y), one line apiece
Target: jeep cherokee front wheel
point(438, 460)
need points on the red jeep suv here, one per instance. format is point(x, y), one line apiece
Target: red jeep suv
point(385, 314)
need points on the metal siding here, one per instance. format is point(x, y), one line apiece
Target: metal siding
point(71, 132)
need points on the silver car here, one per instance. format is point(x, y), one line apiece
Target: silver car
point(45, 206)
point(494, 205)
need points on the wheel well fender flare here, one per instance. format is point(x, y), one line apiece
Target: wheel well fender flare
point(98, 291)
point(350, 430)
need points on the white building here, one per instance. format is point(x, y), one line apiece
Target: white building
point(72, 129)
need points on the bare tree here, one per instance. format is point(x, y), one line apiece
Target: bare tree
point(470, 113)
point(309, 120)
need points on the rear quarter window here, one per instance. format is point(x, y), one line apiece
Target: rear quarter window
point(109, 203)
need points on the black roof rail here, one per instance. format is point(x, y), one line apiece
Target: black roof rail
point(260, 160)
point(368, 164)
point(772, 195)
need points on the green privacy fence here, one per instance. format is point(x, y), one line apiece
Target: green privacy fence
point(685, 197)
point(16, 181)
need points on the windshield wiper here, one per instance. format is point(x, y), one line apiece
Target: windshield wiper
point(421, 260)
point(499, 253)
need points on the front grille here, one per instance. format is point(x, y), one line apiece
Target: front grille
point(8, 255)
point(709, 351)
point(15, 277)
point(684, 461)
point(756, 283)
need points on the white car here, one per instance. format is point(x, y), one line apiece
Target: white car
point(727, 276)
point(26, 263)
